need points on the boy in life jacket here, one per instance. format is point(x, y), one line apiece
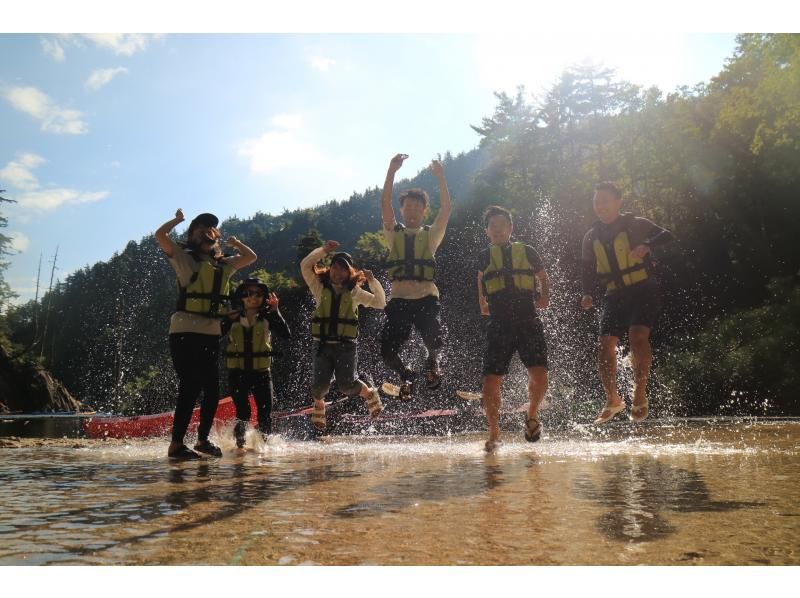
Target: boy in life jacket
point(507, 273)
point(412, 269)
point(249, 354)
point(334, 326)
point(194, 330)
point(616, 252)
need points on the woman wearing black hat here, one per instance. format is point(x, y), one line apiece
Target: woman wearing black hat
point(334, 326)
point(249, 354)
point(194, 330)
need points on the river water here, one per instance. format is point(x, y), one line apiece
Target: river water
point(664, 493)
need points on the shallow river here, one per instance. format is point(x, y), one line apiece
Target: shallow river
point(679, 492)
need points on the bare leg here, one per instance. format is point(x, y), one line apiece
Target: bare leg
point(607, 367)
point(642, 358)
point(491, 404)
point(537, 388)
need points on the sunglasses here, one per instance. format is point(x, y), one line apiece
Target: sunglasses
point(253, 294)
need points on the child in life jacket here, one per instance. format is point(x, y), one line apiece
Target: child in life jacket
point(337, 292)
point(249, 354)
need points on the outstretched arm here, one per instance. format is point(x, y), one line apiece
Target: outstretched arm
point(445, 205)
point(386, 198)
point(162, 234)
point(246, 255)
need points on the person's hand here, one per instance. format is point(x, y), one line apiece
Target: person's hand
point(484, 305)
point(179, 215)
point(639, 251)
point(437, 169)
point(370, 276)
point(543, 301)
point(232, 241)
point(586, 302)
point(330, 246)
point(397, 162)
point(273, 301)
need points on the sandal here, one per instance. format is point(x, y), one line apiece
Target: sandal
point(318, 417)
point(533, 429)
point(609, 412)
point(183, 454)
point(640, 412)
point(406, 390)
point(433, 378)
point(374, 403)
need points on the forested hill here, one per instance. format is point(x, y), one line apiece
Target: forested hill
point(716, 164)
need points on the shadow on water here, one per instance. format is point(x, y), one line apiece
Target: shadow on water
point(639, 490)
point(462, 479)
point(228, 487)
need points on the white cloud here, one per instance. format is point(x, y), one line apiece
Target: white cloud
point(288, 121)
point(17, 173)
point(52, 48)
point(321, 63)
point(277, 150)
point(125, 44)
point(50, 199)
point(285, 146)
point(101, 77)
point(19, 241)
point(53, 118)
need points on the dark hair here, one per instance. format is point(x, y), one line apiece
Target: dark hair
point(609, 187)
point(416, 194)
point(357, 277)
point(492, 211)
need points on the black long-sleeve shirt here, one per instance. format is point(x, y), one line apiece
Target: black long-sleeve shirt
point(641, 231)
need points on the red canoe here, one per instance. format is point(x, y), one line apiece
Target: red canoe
point(160, 424)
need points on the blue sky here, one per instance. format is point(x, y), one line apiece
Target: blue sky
point(104, 136)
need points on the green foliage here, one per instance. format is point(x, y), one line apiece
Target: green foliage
point(276, 281)
point(751, 357)
point(371, 250)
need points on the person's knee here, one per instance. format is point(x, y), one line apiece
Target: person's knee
point(537, 376)
point(640, 337)
point(492, 382)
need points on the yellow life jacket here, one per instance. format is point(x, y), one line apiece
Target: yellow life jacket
point(336, 316)
point(207, 293)
point(500, 275)
point(615, 266)
point(410, 257)
point(249, 348)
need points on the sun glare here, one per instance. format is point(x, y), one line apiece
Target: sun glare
point(536, 60)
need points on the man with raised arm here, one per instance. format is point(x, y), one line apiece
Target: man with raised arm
point(412, 271)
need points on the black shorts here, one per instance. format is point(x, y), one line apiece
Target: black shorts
point(636, 306)
point(503, 339)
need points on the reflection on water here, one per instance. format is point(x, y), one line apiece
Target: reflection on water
point(679, 492)
point(638, 491)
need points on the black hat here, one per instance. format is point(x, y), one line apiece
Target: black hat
point(251, 282)
point(343, 256)
point(205, 219)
